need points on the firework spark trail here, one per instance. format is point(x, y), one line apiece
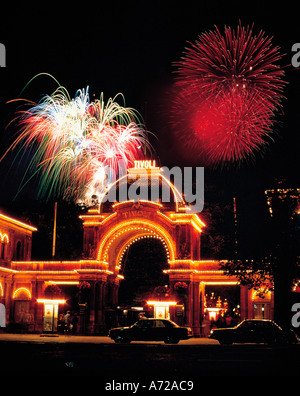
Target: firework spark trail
point(226, 94)
point(74, 141)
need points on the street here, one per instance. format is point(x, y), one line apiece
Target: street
point(101, 358)
point(59, 338)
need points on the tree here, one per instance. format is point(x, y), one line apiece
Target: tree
point(279, 270)
point(52, 291)
point(284, 235)
point(256, 274)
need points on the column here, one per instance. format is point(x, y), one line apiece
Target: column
point(250, 305)
point(115, 295)
point(196, 309)
point(244, 302)
point(272, 306)
point(100, 306)
point(33, 304)
point(92, 308)
point(202, 300)
point(189, 305)
point(39, 311)
point(8, 302)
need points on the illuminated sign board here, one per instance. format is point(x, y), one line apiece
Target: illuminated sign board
point(145, 164)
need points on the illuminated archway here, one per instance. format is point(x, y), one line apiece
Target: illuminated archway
point(117, 239)
point(22, 293)
point(111, 227)
point(141, 271)
point(22, 301)
point(139, 238)
point(4, 238)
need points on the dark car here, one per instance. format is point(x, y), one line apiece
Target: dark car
point(151, 330)
point(254, 331)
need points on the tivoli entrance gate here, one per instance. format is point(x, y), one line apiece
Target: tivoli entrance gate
point(110, 229)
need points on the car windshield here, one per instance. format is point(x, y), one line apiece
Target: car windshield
point(174, 324)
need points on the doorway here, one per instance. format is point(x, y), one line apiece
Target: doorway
point(142, 267)
point(222, 305)
point(261, 310)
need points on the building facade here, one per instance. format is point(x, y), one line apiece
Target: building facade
point(15, 244)
point(109, 229)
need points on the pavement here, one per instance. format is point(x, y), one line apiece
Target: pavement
point(193, 359)
point(61, 338)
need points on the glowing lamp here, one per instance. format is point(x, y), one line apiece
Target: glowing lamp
point(48, 301)
point(162, 303)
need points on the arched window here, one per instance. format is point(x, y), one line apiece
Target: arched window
point(22, 297)
point(2, 251)
point(22, 293)
point(2, 308)
point(3, 246)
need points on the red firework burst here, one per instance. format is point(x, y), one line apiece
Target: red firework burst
point(228, 90)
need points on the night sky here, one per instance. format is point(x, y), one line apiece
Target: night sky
point(130, 47)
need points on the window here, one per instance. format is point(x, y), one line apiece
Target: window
point(247, 324)
point(2, 254)
point(22, 312)
point(3, 250)
point(144, 324)
point(158, 323)
point(19, 251)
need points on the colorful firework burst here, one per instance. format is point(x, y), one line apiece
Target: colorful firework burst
point(226, 95)
point(77, 145)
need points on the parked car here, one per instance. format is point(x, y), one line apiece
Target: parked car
point(254, 330)
point(147, 329)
